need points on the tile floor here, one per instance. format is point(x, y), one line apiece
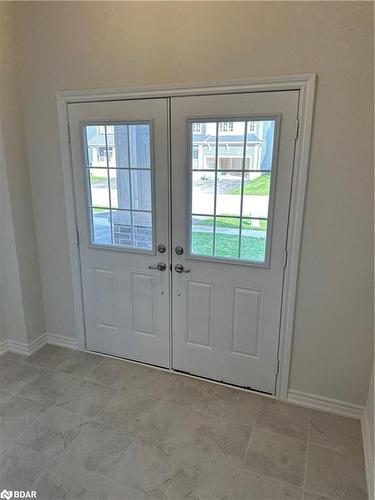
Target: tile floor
point(80, 426)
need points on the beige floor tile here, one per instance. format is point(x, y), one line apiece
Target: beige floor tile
point(70, 482)
point(309, 495)
point(53, 431)
point(20, 467)
point(14, 377)
point(335, 474)
point(240, 407)
point(276, 456)
point(217, 439)
point(86, 398)
point(172, 424)
point(98, 447)
point(196, 394)
point(10, 359)
point(127, 410)
point(79, 363)
point(150, 382)
point(337, 432)
point(148, 465)
point(206, 481)
point(283, 418)
point(163, 436)
point(253, 486)
point(49, 356)
point(49, 386)
point(16, 413)
point(114, 372)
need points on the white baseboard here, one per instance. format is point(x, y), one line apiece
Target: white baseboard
point(329, 405)
point(369, 454)
point(62, 341)
point(28, 349)
point(3, 347)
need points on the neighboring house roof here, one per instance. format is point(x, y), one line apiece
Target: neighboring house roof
point(225, 138)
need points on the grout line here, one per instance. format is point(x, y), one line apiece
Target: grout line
point(307, 456)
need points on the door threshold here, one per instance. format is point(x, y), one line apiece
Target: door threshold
point(185, 374)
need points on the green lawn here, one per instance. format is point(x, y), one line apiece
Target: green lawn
point(259, 186)
point(231, 222)
point(227, 246)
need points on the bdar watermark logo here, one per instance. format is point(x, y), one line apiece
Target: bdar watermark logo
point(7, 494)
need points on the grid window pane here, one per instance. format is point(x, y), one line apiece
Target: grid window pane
point(139, 146)
point(233, 190)
point(227, 237)
point(202, 235)
point(203, 145)
point(259, 145)
point(253, 239)
point(120, 200)
point(99, 187)
point(228, 196)
point(122, 228)
point(96, 140)
point(142, 230)
point(231, 146)
point(118, 135)
point(256, 195)
point(141, 189)
point(120, 188)
point(101, 226)
point(203, 193)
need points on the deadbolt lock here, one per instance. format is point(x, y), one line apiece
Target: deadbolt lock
point(161, 248)
point(179, 250)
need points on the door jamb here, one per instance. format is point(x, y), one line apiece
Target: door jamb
point(305, 83)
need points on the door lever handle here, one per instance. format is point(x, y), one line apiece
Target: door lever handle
point(159, 267)
point(179, 268)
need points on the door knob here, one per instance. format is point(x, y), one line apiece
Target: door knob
point(179, 268)
point(160, 267)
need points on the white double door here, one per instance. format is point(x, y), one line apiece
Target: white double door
point(182, 212)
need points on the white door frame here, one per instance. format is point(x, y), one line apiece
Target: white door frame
point(306, 85)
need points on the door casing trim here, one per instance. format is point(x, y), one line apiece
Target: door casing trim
point(305, 84)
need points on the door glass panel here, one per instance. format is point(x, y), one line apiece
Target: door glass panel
point(203, 193)
point(253, 239)
point(235, 195)
point(203, 145)
point(120, 188)
point(227, 237)
point(202, 241)
point(228, 196)
point(99, 187)
point(101, 225)
point(120, 185)
point(256, 193)
point(141, 189)
point(142, 227)
point(139, 146)
point(122, 228)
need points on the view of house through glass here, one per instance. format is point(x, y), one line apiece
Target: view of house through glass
point(231, 163)
point(120, 192)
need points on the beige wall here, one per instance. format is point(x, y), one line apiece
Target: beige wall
point(77, 45)
point(21, 293)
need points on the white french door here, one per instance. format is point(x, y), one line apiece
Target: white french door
point(232, 161)
point(120, 169)
point(220, 276)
